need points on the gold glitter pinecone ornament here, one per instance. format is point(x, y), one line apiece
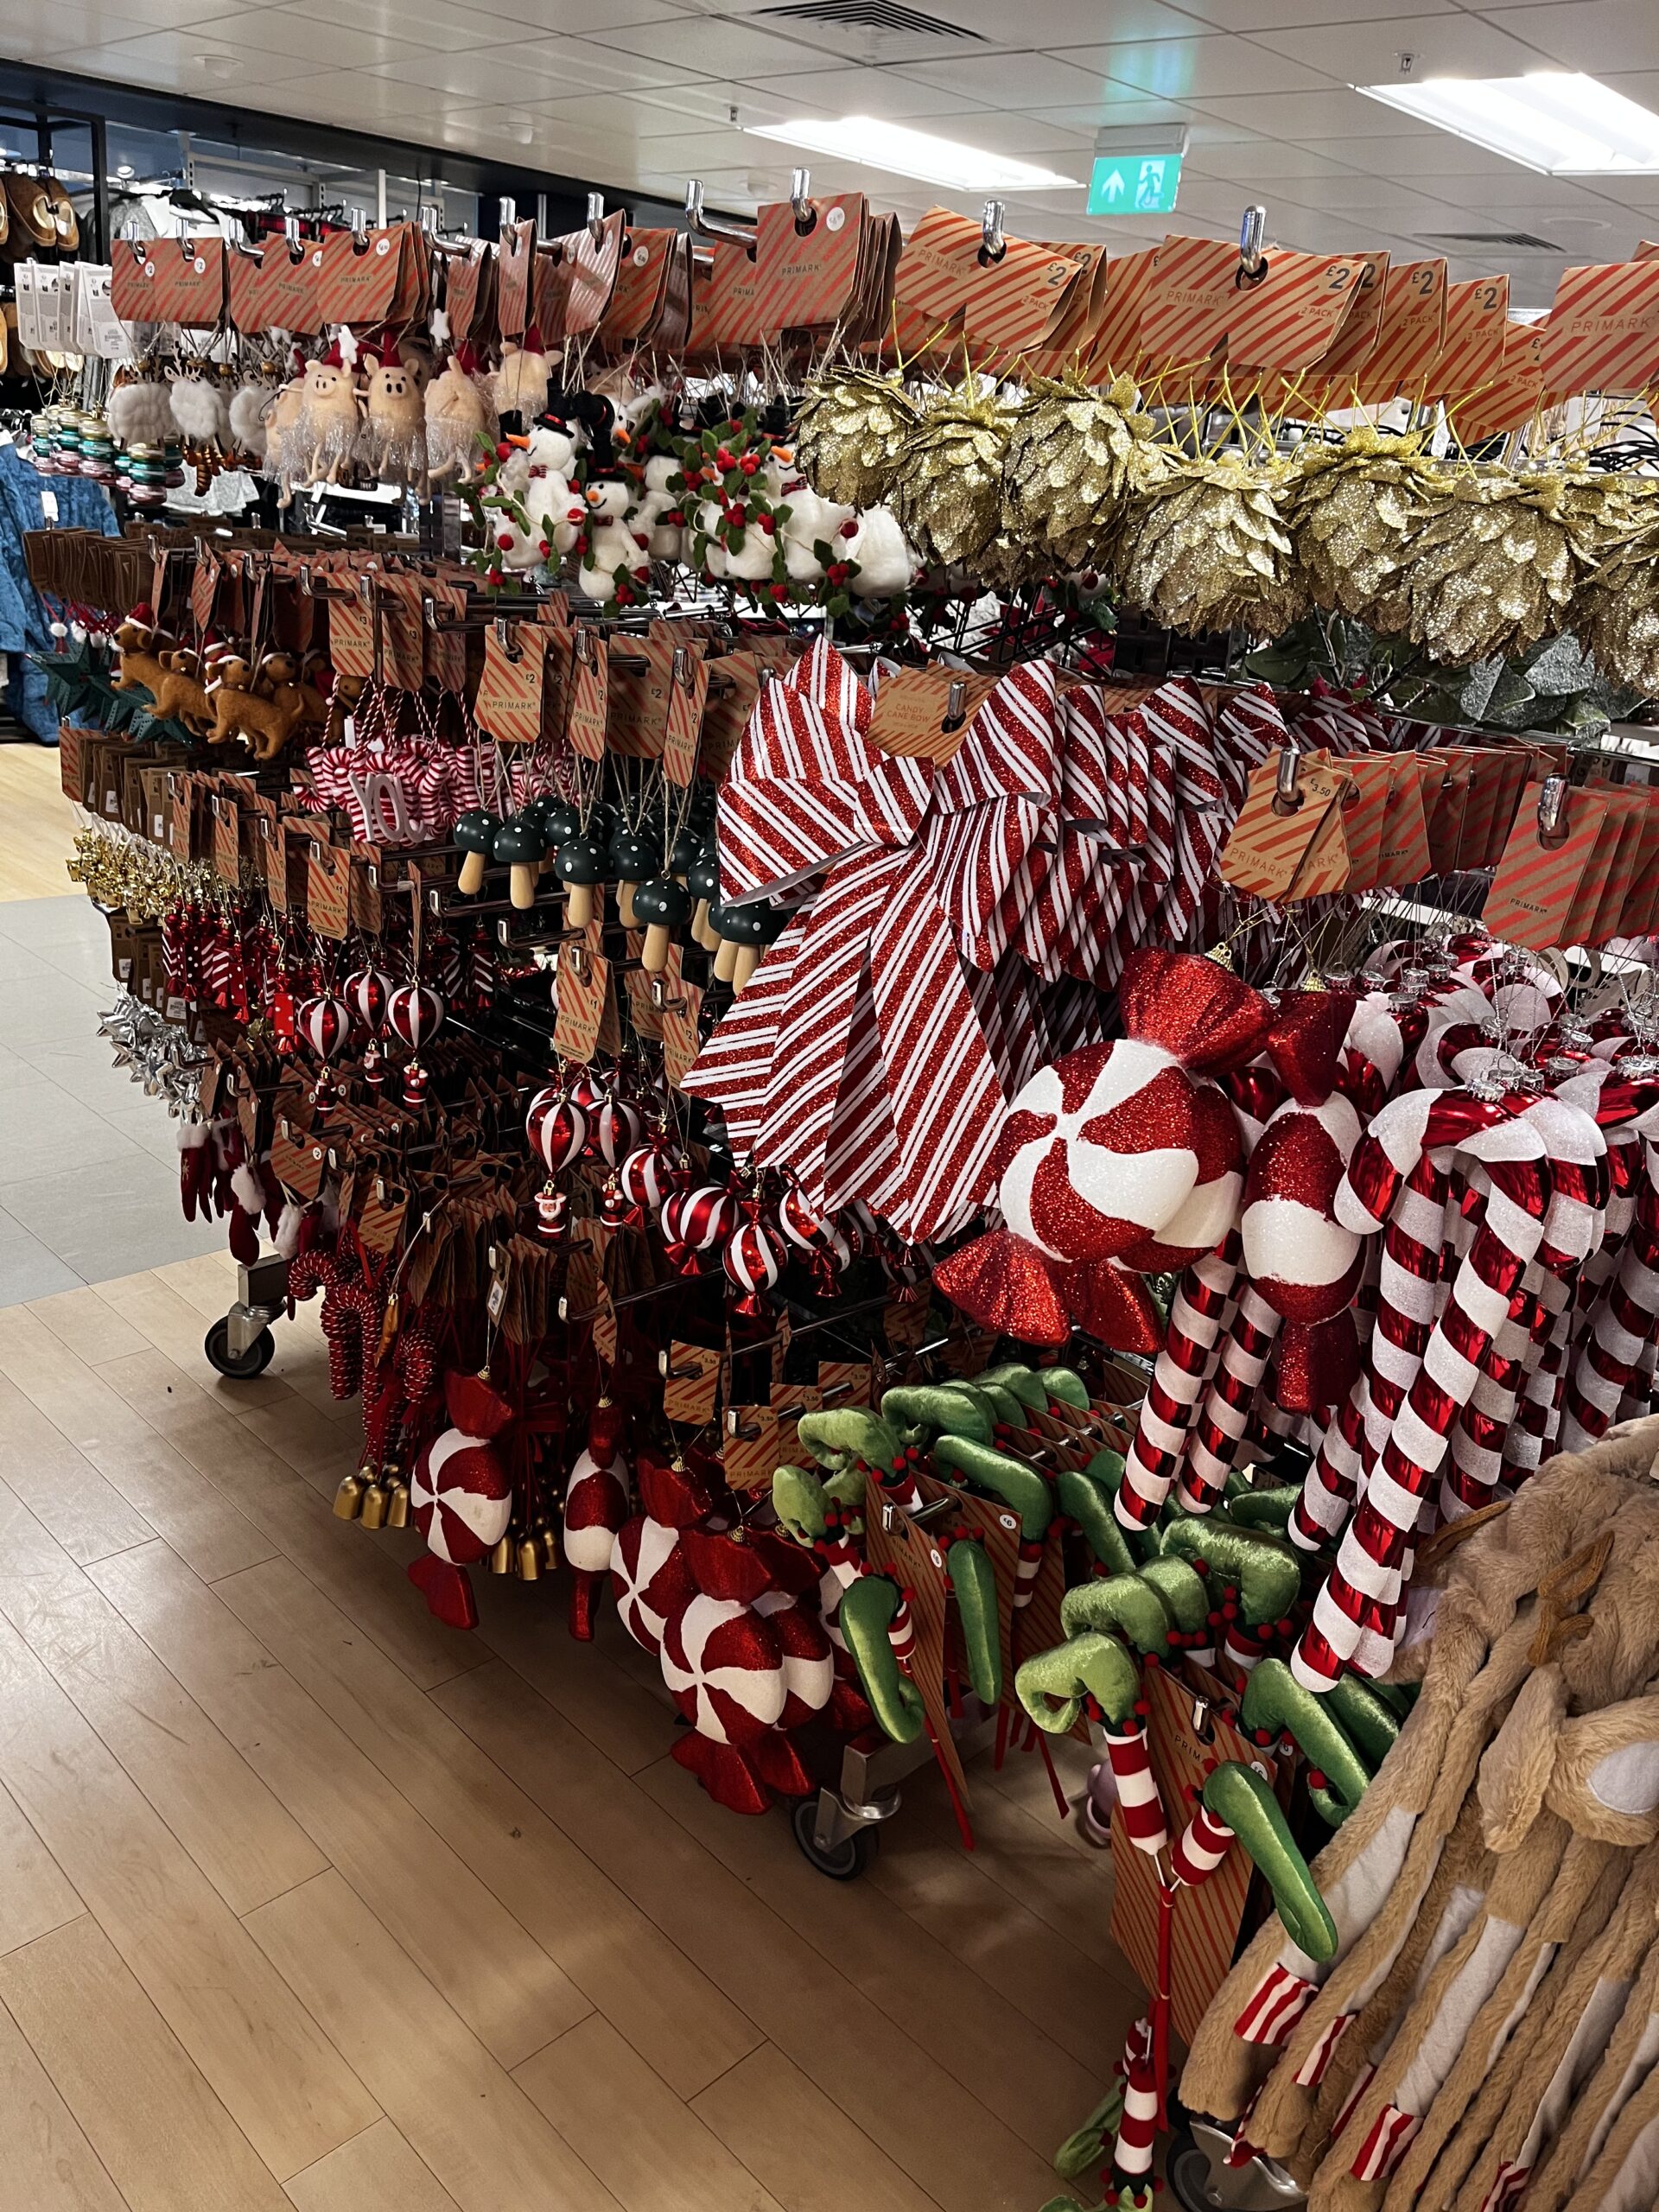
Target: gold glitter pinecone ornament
point(1499, 559)
point(1616, 615)
point(852, 427)
point(1071, 463)
point(948, 491)
point(1353, 511)
point(1203, 546)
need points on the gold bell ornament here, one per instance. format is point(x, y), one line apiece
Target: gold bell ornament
point(348, 1498)
point(376, 1502)
point(502, 1556)
point(528, 1559)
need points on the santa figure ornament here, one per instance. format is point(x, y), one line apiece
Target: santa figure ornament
point(460, 1498)
point(1116, 1158)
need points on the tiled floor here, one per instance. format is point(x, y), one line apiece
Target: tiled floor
point(89, 1178)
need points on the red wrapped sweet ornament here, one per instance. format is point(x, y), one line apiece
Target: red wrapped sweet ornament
point(1102, 1152)
point(460, 1498)
point(753, 1256)
point(826, 1247)
point(696, 1224)
point(596, 1507)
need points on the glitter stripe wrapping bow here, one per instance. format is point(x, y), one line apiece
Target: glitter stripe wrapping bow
point(858, 1057)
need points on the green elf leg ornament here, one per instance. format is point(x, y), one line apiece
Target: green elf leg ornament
point(1241, 1801)
point(799, 1501)
point(1265, 1571)
point(1120, 1605)
point(1371, 1724)
point(1012, 1480)
point(848, 1436)
point(1273, 1700)
point(1106, 1469)
point(923, 1409)
point(1052, 1685)
point(1185, 1598)
point(974, 1584)
point(1264, 1508)
point(868, 1608)
point(1083, 1497)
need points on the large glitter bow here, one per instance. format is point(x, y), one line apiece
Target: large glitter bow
point(865, 1054)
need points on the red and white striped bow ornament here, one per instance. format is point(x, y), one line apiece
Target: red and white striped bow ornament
point(858, 1057)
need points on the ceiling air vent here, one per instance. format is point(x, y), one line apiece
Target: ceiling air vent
point(884, 22)
point(1518, 241)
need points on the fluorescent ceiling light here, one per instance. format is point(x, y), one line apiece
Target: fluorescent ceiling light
point(912, 153)
point(1551, 120)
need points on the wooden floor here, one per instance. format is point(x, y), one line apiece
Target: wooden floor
point(37, 824)
point(307, 1902)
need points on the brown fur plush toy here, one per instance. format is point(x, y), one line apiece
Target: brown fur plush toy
point(180, 695)
point(140, 667)
point(238, 711)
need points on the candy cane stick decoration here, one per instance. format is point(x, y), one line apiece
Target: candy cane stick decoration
point(1625, 1323)
point(1572, 1225)
point(1197, 1317)
point(1360, 1600)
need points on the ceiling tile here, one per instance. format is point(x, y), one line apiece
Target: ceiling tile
point(1032, 80)
point(1592, 34)
point(728, 49)
point(1052, 23)
point(667, 109)
point(316, 44)
point(1288, 15)
point(1268, 159)
point(1299, 117)
point(1431, 153)
point(1442, 46)
point(1190, 68)
point(172, 60)
point(584, 64)
point(889, 93)
point(475, 75)
point(1117, 105)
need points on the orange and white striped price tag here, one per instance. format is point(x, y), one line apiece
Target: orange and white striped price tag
point(1602, 332)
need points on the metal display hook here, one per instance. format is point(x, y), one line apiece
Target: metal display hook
point(800, 187)
point(596, 218)
point(1286, 799)
point(993, 244)
point(715, 226)
point(1252, 256)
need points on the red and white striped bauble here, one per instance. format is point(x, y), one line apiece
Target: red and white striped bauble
point(724, 1667)
point(614, 1128)
point(459, 1497)
point(1199, 1848)
point(753, 1257)
point(367, 993)
point(803, 1225)
point(414, 1013)
point(650, 1578)
point(325, 1024)
point(650, 1173)
point(556, 1127)
point(700, 1220)
point(1138, 1795)
point(809, 1656)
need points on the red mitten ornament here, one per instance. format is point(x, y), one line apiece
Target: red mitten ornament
point(1116, 1153)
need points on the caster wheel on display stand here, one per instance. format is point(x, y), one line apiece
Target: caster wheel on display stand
point(841, 1862)
point(1200, 2180)
point(237, 1367)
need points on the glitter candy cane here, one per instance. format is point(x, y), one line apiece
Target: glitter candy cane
point(1197, 1317)
point(1360, 1599)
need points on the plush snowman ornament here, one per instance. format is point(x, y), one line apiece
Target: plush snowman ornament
point(886, 565)
point(613, 545)
point(659, 514)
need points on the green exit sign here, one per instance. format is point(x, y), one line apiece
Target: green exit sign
point(1135, 184)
